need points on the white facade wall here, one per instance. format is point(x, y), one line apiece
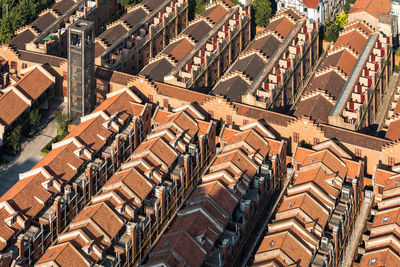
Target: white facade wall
point(310, 13)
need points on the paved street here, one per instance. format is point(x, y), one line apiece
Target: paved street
point(355, 236)
point(30, 151)
point(28, 158)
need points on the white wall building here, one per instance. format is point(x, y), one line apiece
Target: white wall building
point(314, 10)
point(395, 10)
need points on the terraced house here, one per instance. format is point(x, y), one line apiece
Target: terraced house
point(47, 34)
point(124, 218)
point(213, 226)
point(204, 50)
point(29, 90)
point(348, 88)
point(129, 43)
point(379, 244)
point(48, 197)
point(313, 220)
point(275, 64)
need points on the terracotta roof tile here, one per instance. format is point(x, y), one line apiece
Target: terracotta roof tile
point(215, 13)
point(282, 26)
point(393, 132)
point(178, 49)
point(63, 255)
point(11, 107)
point(352, 39)
point(34, 83)
point(372, 7)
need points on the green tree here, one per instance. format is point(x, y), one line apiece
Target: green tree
point(34, 118)
point(331, 32)
point(262, 12)
point(196, 7)
point(62, 121)
point(341, 20)
point(125, 3)
point(14, 137)
point(17, 13)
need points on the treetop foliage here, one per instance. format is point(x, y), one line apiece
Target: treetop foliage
point(262, 12)
point(18, 13)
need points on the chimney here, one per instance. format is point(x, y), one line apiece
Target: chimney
point(135, 133)
point(248, 210)
point(58, 213)
point(335, 241)
point(21, 247)
point(186, 165)
point(202, 148)
point(119, 151)
point(225, 244)
point(161, 197)
point(90, 181)
point(133, 234)
point(262, 187)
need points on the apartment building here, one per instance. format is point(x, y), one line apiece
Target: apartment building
point(48, 197)
point(313, 220)
point(377, 14)
point(47, 34)
point(275, 64)
point(120, 223)
point(204, 50)
point(25, 92)
point(129, 43)
point(379, 245)
point(348, 87)
point(212, 227)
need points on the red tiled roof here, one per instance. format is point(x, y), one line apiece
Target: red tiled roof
point(372, 7)
point(11, 107)
point(34, 83)
point(311, 3)
point(393, 132)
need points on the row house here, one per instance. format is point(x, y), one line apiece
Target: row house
point(47, 34)
point(204, 50)
point(314, 219)
point(212, 227)
point(30, 90)
point(380, 243)
point(132, 208)
point(379, 15)
point(129, 43)
point(48, 197)
point(371, 149)
point(348, 88)
point(288, 48)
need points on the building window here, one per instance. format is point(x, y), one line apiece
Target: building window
point(305, 10)
point(14, 65)
point(272, 243)
point(380, 190)
point(372, 261)
point(228, 119)
point(291, 204)
point(283, 5)
point(358, 153)
point(386, 219)
point(24, 66)
point(391, 161)
point(316, 141)
point(396, 182)
point(296, 137)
